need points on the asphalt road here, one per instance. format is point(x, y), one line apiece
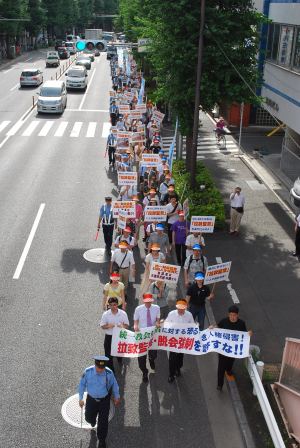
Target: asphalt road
point(55, 175)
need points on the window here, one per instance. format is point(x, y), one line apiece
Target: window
point(286, 44)
point(273, 41)
point(296, 60)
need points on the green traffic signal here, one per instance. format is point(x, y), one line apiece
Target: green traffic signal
point(80, 45)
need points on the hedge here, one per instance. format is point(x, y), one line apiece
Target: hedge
point(207, 202)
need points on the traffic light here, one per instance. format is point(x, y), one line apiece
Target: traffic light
point(80, 45)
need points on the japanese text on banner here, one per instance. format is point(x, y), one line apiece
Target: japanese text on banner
point(127, 178)
point(217, 273)
point(129, 206)
point(203, 224)
point(150, 160)
point(122, 216)
point(180, 338)
point(166, 272)
point(155, 213)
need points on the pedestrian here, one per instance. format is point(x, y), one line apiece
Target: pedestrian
point(196, 295)
point(231, 322)
point(100, 383)
point(125, 236)
point(237, 203)
point(110, 319)
point(155, 255)
point(296, 253)
point(172, 214)
point(194, 263)
point(107, 220)
point(180, 230)
point(146, 315)
point(160, 291)
point(160, 238)
point(192, 239)
point(138, 216)
point(122, 261)
point(113, 111)
point(111, 147)
point(178, 316)
point(116, 289)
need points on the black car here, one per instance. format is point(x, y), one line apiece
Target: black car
point(59, 43)
point(63, 53)
point(111, 51)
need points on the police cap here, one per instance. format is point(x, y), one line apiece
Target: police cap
point(100, 361)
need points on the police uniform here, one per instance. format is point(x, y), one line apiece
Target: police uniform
point(106, 215)
point(99, 386)
point(113, 110)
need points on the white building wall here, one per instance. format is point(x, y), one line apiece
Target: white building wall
point(288, 13)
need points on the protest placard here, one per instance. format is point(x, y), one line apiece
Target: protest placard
point(155, 213)
point(124, 109)
point(167, 272)
point(135, 115)
point(203, 224)
point(180, 338)
point(122, 216)
point(158, 116)
point(150, 159)
point(141, 108)
point(127, 178)
point(137, 138)
point(129, 206)
point(124, 134)
point(217, 273)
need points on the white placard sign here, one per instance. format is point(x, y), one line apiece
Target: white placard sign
point(202, 224)
point(217, 273)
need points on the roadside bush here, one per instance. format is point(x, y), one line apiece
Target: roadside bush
point(207, 202)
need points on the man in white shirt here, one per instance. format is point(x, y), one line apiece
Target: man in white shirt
point(122, 260)
point(110, 319)
point(178, 316)
point(237, 203)
point(191, 240)
point(126, 236)
point(146, 315)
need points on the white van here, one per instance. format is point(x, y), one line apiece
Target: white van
point(77, 78)
point(52, 98)
point(71, 47)
point(52, 59)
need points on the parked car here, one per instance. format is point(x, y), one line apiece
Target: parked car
point(89, 54)
point(52, 98)
point(63, 52)
point(295, 193)
point(52, 59)
point(84, 61)
point(31, 77)
point(71, 47)
point(77, 78)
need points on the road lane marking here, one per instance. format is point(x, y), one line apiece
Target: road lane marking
point(219, 260)
point(87, 110)
point(106, 130)
point(61, 129)
point(84, 96)
point(29, 130)
point(29, 59)
point(46, 128)
point(6, 71)
point(4, 124)
point(91, 129)
point(231, 291)
point(28, 243)
point(13, 88)
point(76, 129)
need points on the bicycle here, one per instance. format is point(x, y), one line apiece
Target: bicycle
point(221, 138)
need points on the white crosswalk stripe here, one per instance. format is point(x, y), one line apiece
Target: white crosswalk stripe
point(61, 129)
point(46, 128)
point(4, 124)
point(76, 129)
point(205, 146)
point(106, 130)
point(29, 130)
point(91, 129)
point(15, 128)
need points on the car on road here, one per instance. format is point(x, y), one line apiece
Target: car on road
point(76, 78)
point(71, 47)
point(31, 77)
point(59, 43)
point(84, 61)
point(52, 98)
point(89, 54)
point(52, 59)
point(111, 51)
point(63, 52)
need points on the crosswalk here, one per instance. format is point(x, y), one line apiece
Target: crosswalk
point(206, 145)
point(53, 128)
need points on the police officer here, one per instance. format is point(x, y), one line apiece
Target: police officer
point(107, 221)
point(111, 146)
point(113, 111)
point(100, 383)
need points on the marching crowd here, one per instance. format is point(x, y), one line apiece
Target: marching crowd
point(135, 131)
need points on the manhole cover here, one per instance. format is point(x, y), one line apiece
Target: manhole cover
point(71, 412)
point(95, 255)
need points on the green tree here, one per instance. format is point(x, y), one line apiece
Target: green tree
point(38, 17)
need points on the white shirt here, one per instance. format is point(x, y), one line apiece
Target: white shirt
point(160, 259)
point(130, 240)
point(146, 200)
point(237, 200)
point(169, 209)
point(174, 317)
point(298, 220)
point(109, 318)
point(191, 240)
point(118, 258)
point(140, 314)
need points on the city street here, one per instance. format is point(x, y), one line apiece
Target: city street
point(53, 177)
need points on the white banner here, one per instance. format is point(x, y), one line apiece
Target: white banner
point(167, 272)
point(141, 108)
point(122, 216)
point(127, 178)
point(155, 213)
point(150, 159)
point(158, 116)
point(128, 206)
point(217, 273)
point(124, 109)
point(180, 338)
point(202, 224)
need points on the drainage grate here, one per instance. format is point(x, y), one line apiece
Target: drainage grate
point(71, 412)
point(95, 255)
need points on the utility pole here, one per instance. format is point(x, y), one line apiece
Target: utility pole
point(197, 97)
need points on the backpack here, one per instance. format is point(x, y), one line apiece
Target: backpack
point(191, 260)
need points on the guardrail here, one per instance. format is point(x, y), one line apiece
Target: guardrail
point(264, 404)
